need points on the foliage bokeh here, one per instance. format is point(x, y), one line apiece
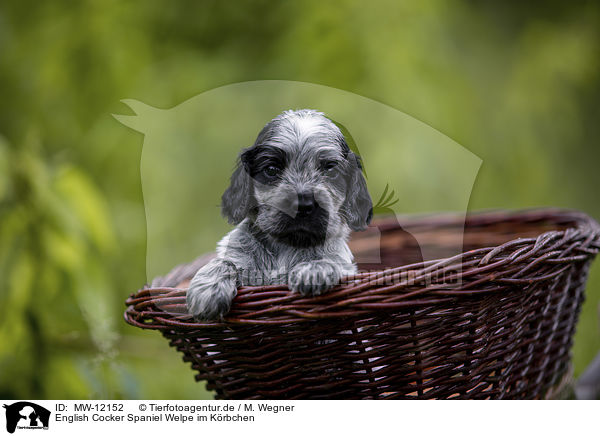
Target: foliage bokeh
point(516, 84)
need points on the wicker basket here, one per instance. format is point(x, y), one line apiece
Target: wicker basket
point(496, 321)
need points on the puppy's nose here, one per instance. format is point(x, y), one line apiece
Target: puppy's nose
point(306, 203)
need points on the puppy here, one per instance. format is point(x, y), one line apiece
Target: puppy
point(294, 197)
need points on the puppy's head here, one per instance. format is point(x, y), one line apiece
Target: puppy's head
point(299, 182)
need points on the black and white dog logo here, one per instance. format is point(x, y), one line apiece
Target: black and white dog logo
point(26, 415)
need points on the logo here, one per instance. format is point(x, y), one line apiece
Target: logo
point(26, 415)
point(184, 146)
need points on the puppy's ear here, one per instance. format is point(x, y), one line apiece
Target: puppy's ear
point(238, 200)
point(358, 207)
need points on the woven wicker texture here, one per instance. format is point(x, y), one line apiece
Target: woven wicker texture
point(496, 321)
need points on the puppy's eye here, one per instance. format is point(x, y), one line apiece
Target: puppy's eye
point(328, 166)
point(331, 169)
point(272, 171)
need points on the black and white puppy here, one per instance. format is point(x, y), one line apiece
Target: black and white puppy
point(295, 196)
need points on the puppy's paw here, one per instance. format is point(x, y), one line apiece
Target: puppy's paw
point(313, 278)
point(209, 296)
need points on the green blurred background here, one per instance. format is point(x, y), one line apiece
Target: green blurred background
point(516, 84)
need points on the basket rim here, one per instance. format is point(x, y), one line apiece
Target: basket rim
point(416, 286)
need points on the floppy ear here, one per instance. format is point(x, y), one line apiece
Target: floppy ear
point(238, 200)
point(358, 207)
